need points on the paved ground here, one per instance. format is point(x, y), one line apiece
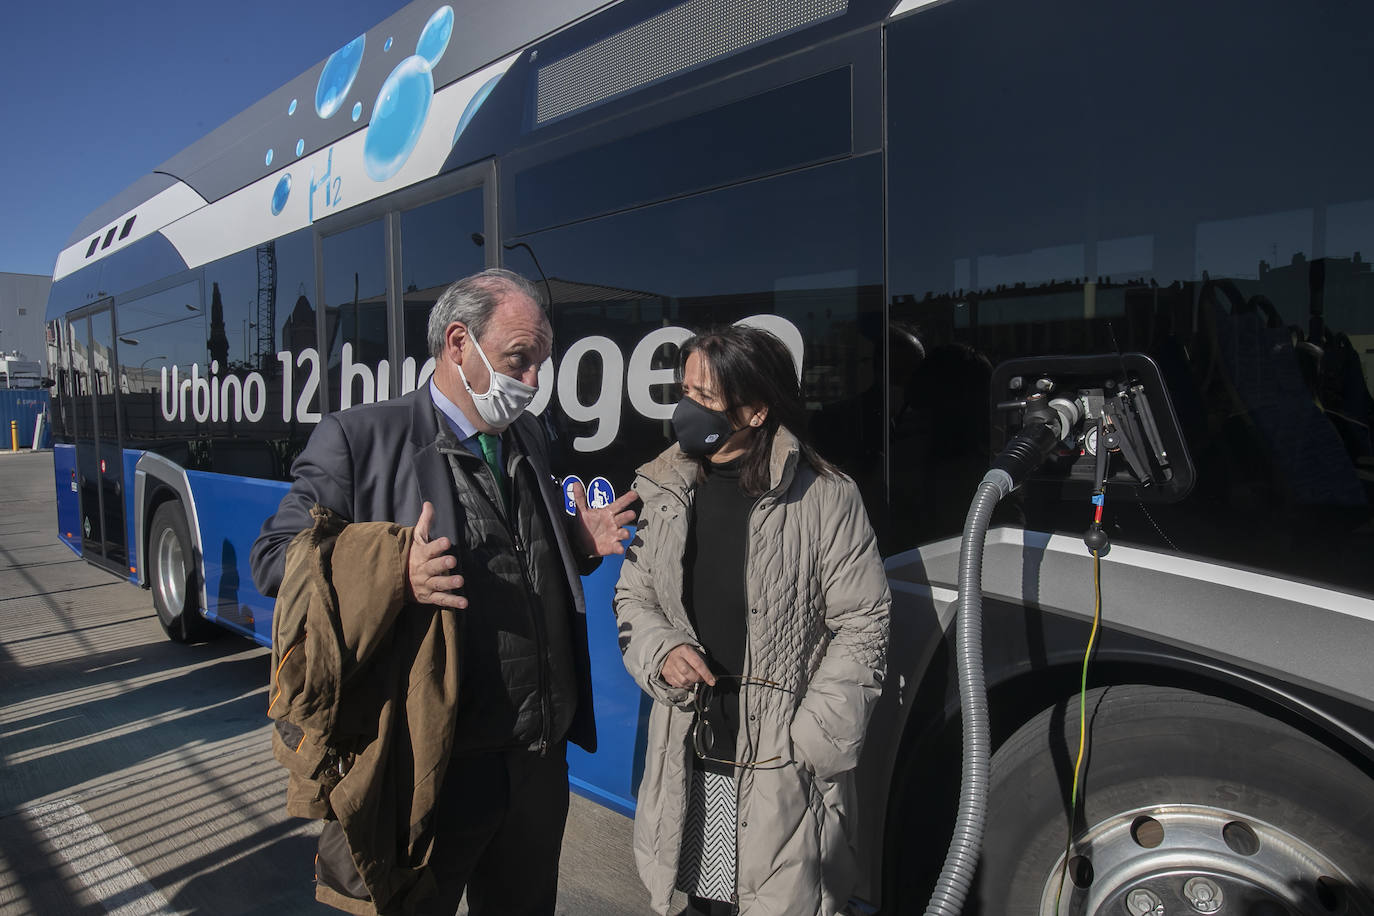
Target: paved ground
point(136, 775)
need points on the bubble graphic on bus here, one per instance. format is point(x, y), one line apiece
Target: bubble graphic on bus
point(291, 109)
point(337, 77)
point(398, 117)
point(280, 195)
point(268, 160)
point(474, 104)
point(357, 110)
point(435, 35)
point(300, 147)
point(387, 46)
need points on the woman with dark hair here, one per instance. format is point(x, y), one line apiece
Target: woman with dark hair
point(753, 607)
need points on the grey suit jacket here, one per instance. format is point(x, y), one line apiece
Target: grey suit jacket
point(381, 462)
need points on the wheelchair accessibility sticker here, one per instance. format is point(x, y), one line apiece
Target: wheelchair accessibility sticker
point(569, 500)
point(600, 494)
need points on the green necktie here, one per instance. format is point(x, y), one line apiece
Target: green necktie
point(491, 452)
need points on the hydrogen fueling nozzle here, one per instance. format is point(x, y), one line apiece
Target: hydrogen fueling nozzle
point(1047, 423)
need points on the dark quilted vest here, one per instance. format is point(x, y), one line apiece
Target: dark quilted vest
point(518, 687)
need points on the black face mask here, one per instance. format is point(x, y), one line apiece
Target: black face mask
point(700, 430)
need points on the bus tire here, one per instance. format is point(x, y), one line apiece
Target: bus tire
point(1252, 807)
point(173, 575)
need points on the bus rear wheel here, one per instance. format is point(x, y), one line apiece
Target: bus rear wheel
point(173, 574)
point(1189, 804)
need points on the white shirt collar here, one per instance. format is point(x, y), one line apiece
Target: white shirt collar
point(462, 426)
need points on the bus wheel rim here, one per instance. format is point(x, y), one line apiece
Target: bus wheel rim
point(1192, 859)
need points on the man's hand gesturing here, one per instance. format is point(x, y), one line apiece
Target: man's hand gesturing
point(599, 532)
point(428, 566)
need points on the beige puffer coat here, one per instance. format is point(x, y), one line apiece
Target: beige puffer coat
point(818, 625)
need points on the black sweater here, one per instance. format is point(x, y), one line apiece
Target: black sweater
point(716, 599)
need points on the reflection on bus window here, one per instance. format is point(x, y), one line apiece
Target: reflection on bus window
point(804, 247)
point(355, 316)
point(437, 248)
point(1235, 256)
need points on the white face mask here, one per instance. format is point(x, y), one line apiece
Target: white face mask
point(505, 399)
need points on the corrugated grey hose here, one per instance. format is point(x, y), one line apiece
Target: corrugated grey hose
point(956, 876)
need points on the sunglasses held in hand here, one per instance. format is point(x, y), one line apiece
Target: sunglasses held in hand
point(703, 737)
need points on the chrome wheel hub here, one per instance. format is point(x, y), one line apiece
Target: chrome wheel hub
point(171, 570)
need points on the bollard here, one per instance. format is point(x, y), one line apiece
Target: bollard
point(14, 435)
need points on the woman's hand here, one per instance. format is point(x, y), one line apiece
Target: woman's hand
point(684, 667)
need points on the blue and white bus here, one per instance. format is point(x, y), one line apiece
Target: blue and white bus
point(947, 209)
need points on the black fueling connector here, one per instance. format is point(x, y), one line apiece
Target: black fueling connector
point(1025, 452)
point(1046, 423)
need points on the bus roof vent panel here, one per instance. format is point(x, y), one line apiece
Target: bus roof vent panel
point(687, 36)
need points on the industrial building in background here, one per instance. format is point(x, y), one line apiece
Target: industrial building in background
point(23, 361)
point(23, 353)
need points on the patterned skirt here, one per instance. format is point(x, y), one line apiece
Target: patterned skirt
point(706, 863)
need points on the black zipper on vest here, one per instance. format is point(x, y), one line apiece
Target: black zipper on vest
point(536, 617)
point(540, 637)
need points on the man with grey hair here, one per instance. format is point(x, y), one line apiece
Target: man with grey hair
point(470, 301)
point(460, 461)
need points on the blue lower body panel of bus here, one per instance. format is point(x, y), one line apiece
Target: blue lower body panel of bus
point(610, 776)
point(68, 496)
point(238, 506)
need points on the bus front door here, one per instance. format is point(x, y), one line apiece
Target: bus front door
point(99, 462)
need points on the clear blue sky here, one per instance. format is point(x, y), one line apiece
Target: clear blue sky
point(96, 94)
